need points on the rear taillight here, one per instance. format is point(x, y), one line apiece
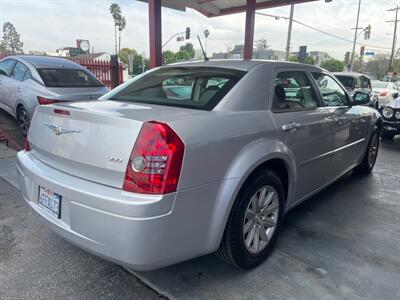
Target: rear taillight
point(27, 146)
point(46, 101)
point(383, 93)
point(156, 160)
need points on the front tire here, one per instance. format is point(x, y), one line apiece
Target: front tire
point(371, 154)
point(254, 222)
point(23, 121)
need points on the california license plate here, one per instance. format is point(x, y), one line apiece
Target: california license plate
point(50, 202)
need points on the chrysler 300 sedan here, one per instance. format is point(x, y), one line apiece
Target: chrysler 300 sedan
point(146, 177)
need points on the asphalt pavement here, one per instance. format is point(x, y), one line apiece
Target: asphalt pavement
point(35, 263)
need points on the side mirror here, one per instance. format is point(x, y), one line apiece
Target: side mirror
point(2, 72)
point(360, 98)
point(395, 95)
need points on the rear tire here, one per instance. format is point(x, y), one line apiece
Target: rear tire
point(23, 120)
point(254, 221)
point(388, 135)
point(371, 154)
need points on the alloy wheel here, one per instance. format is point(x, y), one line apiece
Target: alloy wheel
point(373, 150)
point(261, 219)
point(23, 121)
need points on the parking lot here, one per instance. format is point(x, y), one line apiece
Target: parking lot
point(341, 244)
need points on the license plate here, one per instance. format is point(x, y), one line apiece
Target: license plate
point(50, 202)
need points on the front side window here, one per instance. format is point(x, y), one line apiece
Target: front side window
point(7, 65)
point(190, 87)
point(293, 92)
point(332, 93)
point(68, 78)
point(19, 71)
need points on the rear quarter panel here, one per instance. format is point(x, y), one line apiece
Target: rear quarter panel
point(222, 148)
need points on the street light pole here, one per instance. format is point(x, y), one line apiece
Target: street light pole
point(394, 37)
point(355, 36)
point(289, 35)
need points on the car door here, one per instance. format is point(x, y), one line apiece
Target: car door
point(6, 67)
point(350, 125)
point(17, 84)
point(303, 128)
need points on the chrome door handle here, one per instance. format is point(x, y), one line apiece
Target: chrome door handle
point(290, 126)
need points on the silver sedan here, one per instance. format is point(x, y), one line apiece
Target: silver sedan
point(28, 81)
point(195, 158)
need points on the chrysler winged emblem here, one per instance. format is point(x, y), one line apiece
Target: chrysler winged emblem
point(59, 130)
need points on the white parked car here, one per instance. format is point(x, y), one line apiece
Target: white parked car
point(384, 90)
point(28, 81)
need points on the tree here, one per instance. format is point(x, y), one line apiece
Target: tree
point(124, 53)
point(189, 49)
point(309, 59)
point(333, 65)
point(121, 26)
point(11, 39)
point(183, 55)
point(169, 57)
point(115, 11)
point(262, 44)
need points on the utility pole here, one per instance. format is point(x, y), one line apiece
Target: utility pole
point(394, 37)
point(289, 35)
point(355, 36)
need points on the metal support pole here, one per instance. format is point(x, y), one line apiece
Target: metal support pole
point(249, 29)
point(155, 33)
point(394, 41)
point(355, 36)
point(289, 35)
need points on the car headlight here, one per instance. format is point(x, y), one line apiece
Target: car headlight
point(397, 115)
point(387, 112)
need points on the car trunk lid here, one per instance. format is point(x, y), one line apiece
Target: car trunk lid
point(94, 139)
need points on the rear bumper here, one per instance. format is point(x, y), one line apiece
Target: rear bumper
point(141, 232)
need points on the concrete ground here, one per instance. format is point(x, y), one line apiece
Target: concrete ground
point(341, 244)
point(9, 129)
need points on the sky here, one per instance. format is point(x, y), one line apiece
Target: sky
point(45, 25)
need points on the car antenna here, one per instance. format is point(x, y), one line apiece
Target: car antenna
point(202, 49)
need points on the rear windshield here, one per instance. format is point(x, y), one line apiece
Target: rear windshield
point(68, 78)
point(347, 81)
point(190, 87)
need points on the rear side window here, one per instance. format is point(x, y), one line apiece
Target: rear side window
point(7, 65)
point(293, 92)
point(365, 83)
point(190, 87)
point(68, 78)
point(19, 71)
point(347, 81)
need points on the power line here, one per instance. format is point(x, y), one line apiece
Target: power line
point(322, 31)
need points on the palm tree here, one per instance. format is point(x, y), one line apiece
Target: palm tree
point(115, 11)
point(121, 26)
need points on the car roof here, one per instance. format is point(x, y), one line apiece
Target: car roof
point(349, 74)
point(242, 65)
point(47, 61)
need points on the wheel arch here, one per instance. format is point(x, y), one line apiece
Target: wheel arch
point(278, 161)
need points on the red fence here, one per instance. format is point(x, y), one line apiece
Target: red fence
point(103, 70)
